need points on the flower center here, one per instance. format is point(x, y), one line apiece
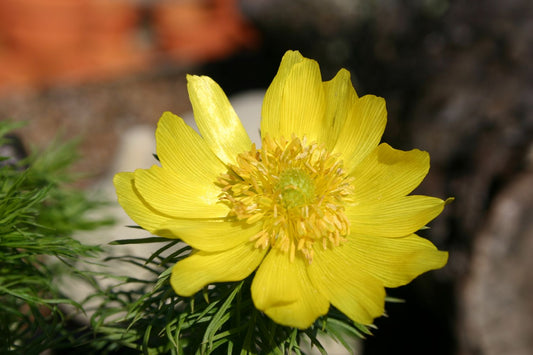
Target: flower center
point(297, 190)
point(296, 186)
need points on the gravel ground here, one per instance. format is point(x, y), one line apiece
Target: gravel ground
point(96, 114)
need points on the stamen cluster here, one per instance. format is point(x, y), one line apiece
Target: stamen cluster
point(297, 189)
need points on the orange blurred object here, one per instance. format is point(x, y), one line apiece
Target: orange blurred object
point(201, 30)
point(46, 42)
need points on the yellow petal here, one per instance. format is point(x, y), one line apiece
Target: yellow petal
point(362, 130)
point(270, 112)
point(283, 291)
point(302, 102)
point(182, 198)
point(136, 207)
point(212, 235)
point(216, 119)
point(393, 218)
point(340, 97)
point(388, 173)
point(394, 261)
point(183, 151)
point(355, 293)
point(202, 268)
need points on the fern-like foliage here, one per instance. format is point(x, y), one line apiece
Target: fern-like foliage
point(38, 215)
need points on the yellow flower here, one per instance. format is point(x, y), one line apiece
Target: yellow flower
point(320, 211)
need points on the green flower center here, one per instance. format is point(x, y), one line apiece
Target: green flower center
point(297, 188)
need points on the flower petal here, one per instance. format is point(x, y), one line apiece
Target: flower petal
point(395, 261)
point(216, 119)
point(393, 218)
point(302, 103)
point(362, 130)
point(136, 207)
point(182, 150)
point(388, 173)
point(171, 195)
point(340, 96)
point(270, 112)
point(355, 293)
point(283, 291)
point(202, 268)
point(211, 235)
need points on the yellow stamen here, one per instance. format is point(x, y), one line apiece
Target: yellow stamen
point(297, 189)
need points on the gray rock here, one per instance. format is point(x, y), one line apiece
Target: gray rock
point(496, 312)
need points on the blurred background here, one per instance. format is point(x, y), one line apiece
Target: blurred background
point(456, 75)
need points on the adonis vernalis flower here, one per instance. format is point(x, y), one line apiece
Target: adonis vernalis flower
point(321, 211)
